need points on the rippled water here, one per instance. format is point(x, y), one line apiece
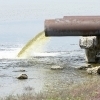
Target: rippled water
point(20, 21)
point(38, 69)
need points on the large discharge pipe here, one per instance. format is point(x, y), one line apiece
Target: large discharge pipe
point(73, 26)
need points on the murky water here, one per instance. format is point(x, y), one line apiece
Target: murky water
point(40, 76)
point(20, 21)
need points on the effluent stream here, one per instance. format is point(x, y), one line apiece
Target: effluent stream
point(37, 65)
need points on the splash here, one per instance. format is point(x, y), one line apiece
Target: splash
point(34, 45)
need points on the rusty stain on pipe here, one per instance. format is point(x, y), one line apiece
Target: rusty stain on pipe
point(73, 26)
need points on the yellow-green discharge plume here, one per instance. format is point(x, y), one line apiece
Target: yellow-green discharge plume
point(34, 45)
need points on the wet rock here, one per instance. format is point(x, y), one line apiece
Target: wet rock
point(22, 76)
point(88, 42)
point(94, 70)
point(84, 67)
point(22, 70)
point(56, 67)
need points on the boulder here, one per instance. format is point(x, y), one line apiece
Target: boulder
point(56, 67)
point(84, 67)
point(22, 76)
point(94, 70)
point(21, 70)
point(87, 42)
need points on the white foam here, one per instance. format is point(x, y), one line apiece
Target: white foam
point(9, 54)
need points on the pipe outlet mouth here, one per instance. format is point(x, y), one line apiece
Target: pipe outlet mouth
point(73, 26)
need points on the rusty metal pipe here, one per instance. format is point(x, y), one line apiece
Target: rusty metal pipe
point(73, 26)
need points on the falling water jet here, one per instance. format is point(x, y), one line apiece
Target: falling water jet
point(33, 44)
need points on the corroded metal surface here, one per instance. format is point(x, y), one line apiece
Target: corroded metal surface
point(73, 26)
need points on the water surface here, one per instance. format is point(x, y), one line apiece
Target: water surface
point(20, 21)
